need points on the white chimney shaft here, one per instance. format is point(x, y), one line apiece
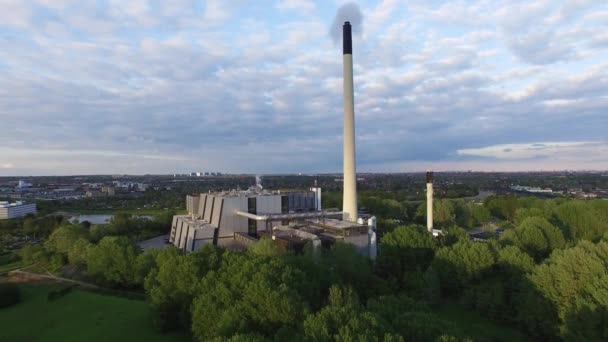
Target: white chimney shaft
point(350, 173)
point(429, 201)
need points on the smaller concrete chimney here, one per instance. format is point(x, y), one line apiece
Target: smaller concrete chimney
point(429, 201)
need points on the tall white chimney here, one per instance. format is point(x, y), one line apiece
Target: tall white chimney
point(429, 201)
point(350, 174)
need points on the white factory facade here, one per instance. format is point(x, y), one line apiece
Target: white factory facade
point(233, 217)
point(16, 210)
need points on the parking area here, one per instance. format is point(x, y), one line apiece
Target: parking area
point(157, 242)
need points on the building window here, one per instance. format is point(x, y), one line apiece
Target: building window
point(252, 227)
point(284, 204)
point(252, 205)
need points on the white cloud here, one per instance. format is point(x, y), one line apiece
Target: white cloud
point(15, 13)
point(582, 150)
point(246, 87)
point(301, 6)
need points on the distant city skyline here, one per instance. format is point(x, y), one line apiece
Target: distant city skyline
point(148, 87)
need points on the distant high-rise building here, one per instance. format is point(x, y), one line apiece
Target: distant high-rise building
point(23, 184)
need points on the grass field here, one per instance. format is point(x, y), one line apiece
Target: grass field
point(78, 316)
point(9, 267)
point(471, 324)
point(9, 262)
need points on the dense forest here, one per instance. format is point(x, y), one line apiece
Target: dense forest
point(545, 276)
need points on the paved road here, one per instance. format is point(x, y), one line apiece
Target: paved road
point(157, 242)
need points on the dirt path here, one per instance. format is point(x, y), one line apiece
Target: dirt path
point(24, 276)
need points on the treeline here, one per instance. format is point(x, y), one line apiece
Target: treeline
point(72, 243)
point(264, 293)
point(162, 193)
point(546, 276)
point(392, 212)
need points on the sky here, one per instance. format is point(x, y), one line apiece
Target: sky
point(156, 87)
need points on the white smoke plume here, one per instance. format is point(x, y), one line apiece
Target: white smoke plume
point(350, 11)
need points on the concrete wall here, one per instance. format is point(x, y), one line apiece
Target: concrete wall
point(208, 208)
point(202, 204)
point(230, 222)
point(217, 211)
point(187, 233)
point(267, 205)
point(173, 228)
point(192, 204)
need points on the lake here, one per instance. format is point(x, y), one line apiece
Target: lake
point(102, 218)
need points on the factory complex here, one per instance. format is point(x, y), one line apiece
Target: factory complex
point(291, 219)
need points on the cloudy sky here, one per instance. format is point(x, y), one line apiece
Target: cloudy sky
point(151, 86)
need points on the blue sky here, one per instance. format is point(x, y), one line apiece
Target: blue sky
point(150, 86)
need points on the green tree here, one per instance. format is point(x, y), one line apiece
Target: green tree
point(556, 285)
point(332, 199)
point(267, 247)
point(512, 258)
point(145, 263)
point(489, 298)
point(172, 284)
point(453, 234)
point(30, 227)
point(249, 293)
point(463, 214)
point(479, 213)
point(62, 238)
point(523, 213)
point(78, 252)
point(536, 236)
point(502, 207)
point(404, 250)
point(384, 207)
point(601, 209)
point(37, 254)
point(346, 267)
point(409, 318)
point(587, 319)
point(113, 261)
point(98, 232)
point(580, 221)
point(344, 319)
point(461, 264)
point(122, 223)
point(443, 213)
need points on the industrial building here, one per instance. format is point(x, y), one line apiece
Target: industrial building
point(16, 210)
point(292, 219)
